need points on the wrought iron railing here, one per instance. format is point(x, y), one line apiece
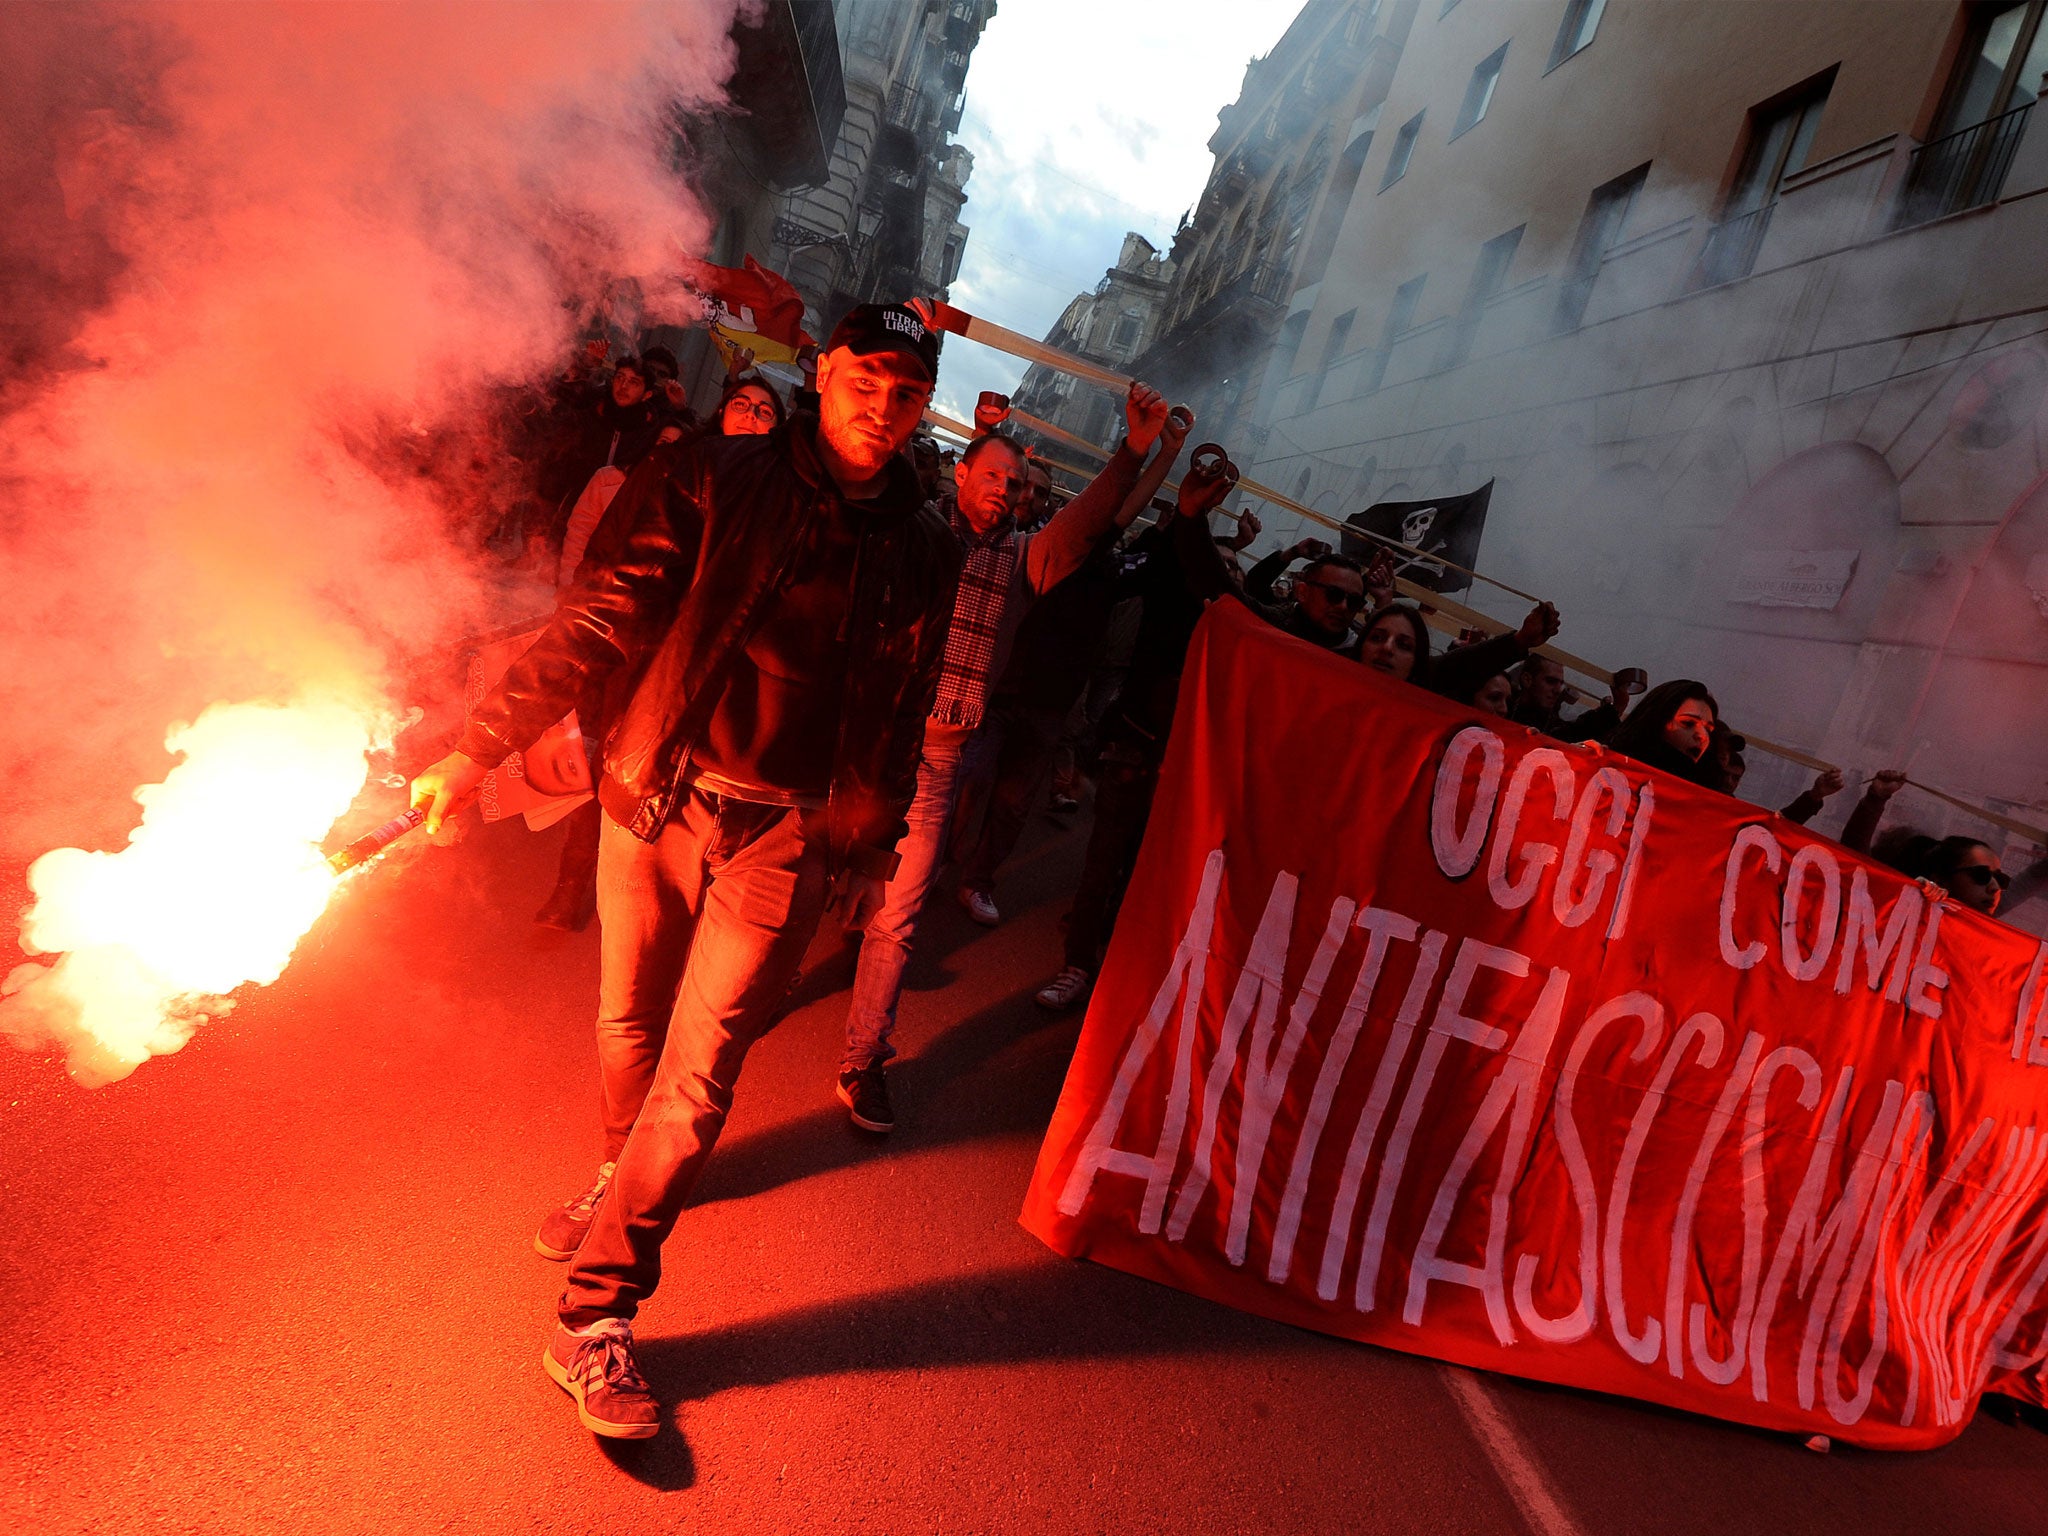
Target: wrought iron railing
point(1961, 170)
point(1732, 244)
point(906, 107)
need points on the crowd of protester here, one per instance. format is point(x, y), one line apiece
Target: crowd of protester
point(820, 659)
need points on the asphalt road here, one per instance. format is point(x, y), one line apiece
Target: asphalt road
point(282, 1282)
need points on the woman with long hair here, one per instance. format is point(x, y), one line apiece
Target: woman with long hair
point(1396, 641)
point(1671, 729)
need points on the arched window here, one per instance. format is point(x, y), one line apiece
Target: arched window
point(1236, 249)
point(1269, 215)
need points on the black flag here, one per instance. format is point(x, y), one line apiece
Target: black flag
point(1444, 528)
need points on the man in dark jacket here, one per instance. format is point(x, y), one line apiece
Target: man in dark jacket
point(1175, 569)
point(783, 602)
point(616, 424)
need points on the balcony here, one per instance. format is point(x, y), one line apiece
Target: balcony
point(1247, 304)
point(1962, 170)
point(906, 108)
point(1732, 244)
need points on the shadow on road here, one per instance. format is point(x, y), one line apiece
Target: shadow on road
point(942, 1097)
point(1054, 1311)
point(663, 1463)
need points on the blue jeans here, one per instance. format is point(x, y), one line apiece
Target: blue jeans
point(703, 929)
point(950, 754)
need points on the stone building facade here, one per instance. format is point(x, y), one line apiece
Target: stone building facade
point(784, 106)
point(1113, 326)
point(884, 222)
point(1742, 309)
point(1288, 152)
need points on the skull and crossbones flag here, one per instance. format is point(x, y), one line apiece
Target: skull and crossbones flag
point(1437, 534)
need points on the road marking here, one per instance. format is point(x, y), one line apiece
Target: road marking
point(1510, 1456)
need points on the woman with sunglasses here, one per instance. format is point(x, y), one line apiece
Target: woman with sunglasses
point(1962, 866)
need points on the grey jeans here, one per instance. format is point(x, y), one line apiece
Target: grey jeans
point(951, 753)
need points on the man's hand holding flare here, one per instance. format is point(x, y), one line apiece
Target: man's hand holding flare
point(447, 787)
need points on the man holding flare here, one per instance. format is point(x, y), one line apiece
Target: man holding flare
point(783, 603)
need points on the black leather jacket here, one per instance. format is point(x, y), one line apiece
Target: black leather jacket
point(705, 534)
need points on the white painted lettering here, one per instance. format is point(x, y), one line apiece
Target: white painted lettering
point(1184, 979)
point(1381, 929)
point(1752, 836)
point(1457, 844)
point(1577, 1323)
point(1511, 894)
point(1804, 964)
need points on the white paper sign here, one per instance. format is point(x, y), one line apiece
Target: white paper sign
point(1794, 578)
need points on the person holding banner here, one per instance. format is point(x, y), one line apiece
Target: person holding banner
point(1177, 572)
point(1058, 647)
point(1003, 572)
point(1671, 729)
point(781, 601)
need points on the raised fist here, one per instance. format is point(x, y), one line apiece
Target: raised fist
point(1144, 416)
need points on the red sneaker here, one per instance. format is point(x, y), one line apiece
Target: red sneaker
point(596, 1368)
point(564, 1228)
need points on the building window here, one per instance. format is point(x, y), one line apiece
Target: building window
point(1128, 325)
point(1358, 24)
point(1288, 347)
point(1479, 91)
point(1301, 197)
point(1337, 201)
point(1400, 318)
point(1581, 21)
point(1998, 73)
point(1404, 150)
point(1489, 275)
point(1333, 348)
point(1780, 135)
point(1599, 233)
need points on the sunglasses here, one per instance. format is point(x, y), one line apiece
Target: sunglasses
point(1335, 594)
point(1984, 874)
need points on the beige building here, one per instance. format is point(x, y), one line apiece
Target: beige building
point(884, 222)
point(1743, 308)
point(1112, 326)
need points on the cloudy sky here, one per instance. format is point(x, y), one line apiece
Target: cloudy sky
point(1086, 118)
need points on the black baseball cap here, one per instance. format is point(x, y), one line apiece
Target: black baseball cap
point(871, 328)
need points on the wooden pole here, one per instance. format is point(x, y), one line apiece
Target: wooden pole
point(960, 323)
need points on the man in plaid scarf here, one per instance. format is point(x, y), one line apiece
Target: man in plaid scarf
point(1003, 571)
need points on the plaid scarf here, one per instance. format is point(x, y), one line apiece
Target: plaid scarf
point(985, 577)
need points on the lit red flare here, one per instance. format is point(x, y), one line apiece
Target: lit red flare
point(216, 887)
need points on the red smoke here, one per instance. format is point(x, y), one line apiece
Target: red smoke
point(249, 241)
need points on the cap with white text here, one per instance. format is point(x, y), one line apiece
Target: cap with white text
point(869, 329)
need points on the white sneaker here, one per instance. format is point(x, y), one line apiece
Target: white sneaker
point(980, 906)
point(1071, 986)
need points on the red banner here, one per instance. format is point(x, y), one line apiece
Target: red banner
point(1422, 1029)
